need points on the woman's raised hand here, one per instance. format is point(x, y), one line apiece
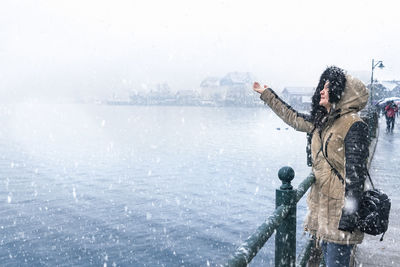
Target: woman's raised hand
point(258, 89)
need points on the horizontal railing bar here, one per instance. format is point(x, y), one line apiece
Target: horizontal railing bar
point(304, 186)
point(305, 256)
point(248, 249)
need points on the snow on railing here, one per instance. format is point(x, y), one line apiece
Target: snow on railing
point(283, 221)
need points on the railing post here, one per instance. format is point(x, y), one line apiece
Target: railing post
point(285, 239)
point(372, 121)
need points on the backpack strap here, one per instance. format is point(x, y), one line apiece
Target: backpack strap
point(337, 172)
point(382, 236)
point(340, 176)
point(370, 180)
point(333, 168)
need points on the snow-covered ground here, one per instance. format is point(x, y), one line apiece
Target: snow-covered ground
point(385, 174)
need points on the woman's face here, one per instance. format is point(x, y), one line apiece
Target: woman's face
point(325, 97)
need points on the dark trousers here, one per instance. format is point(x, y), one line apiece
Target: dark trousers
point(336, 255)
point(389, 124)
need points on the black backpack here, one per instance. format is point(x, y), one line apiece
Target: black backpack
point(374, 212)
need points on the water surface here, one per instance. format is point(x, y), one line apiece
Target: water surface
point(91, 185)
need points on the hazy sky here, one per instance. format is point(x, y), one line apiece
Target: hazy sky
point(80, 48)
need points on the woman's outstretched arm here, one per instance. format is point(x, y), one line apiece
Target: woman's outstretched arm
point(300, 122)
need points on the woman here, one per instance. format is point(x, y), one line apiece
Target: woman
point(339, 152)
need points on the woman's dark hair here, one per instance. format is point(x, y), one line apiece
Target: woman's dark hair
point(337, 82)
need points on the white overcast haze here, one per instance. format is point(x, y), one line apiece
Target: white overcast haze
point(80, 49)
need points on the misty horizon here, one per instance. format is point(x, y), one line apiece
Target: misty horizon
point(54, 49)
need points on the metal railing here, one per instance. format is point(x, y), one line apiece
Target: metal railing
point(371, 116)
point(283, 220)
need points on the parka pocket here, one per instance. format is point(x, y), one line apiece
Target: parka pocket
point(332, 186)
point(335, 207)
point(334, 212)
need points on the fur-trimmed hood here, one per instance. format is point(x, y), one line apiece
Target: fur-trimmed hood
point(354, 97)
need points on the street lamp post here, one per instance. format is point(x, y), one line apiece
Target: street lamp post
point(373, 115)
point(374, 65)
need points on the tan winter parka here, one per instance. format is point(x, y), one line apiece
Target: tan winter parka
point(326, 199)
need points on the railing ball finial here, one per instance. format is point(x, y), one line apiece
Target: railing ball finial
point(286, 175)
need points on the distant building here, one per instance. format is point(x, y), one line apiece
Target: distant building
point(232, 89)
point(154, 94)
point(384, 89)
point(298, 97)
point(210, 82)
point(210, 89)
point(238, 88)
point(187, 97)
point(389, 85)
point(237, 78)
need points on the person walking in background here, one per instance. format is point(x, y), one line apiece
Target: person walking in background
point(391, 109)
point(339, 152)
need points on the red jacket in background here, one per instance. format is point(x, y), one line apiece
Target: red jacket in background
point(391, 110)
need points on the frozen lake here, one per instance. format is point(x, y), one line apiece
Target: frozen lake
point(92, 185)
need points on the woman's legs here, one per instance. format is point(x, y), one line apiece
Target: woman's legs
point(392, 122)
point(387, 124)
point(336, 255)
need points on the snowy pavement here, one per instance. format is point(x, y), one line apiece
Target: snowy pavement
point(385, 174)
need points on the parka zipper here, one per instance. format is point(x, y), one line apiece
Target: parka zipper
point(326, 144)
point(325, 154)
